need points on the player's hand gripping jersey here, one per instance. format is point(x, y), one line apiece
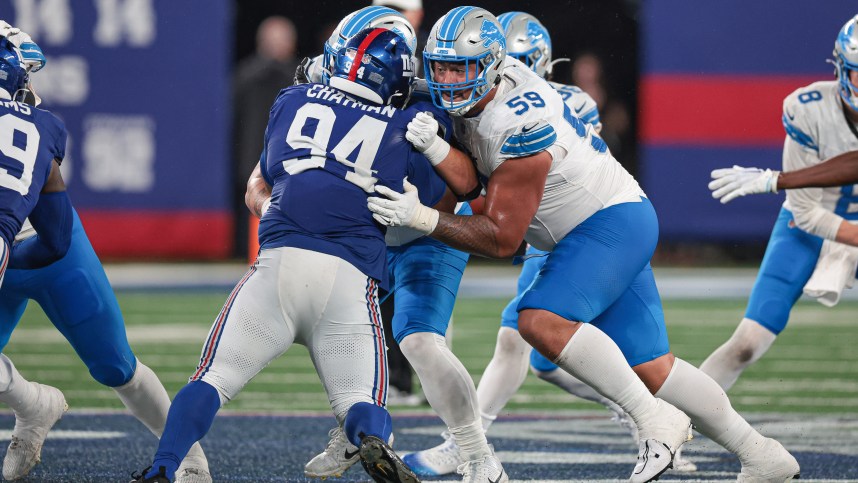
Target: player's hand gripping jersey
point(30, 139)
point(324, 153)
point(527, 116)
point(817, 130)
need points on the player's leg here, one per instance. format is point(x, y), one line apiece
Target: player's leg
point(636, 323)
point(428, 280)
point(37, 407)
point(346, 344)
point(77, 297)
point(507, 369)
point(584, 275)
point(248, 333)
point(789, 261)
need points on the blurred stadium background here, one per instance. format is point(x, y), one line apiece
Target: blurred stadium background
point(147, 91)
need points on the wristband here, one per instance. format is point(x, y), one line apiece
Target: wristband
point(437, 151)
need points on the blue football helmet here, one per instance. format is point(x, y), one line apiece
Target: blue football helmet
point(527, 40)
point(377, 65)
point(351, 24)
point(472, 38)
point(13, 74)
point(846, 60)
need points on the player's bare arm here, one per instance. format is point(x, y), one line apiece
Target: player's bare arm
point(837, 171)
point(513, 195)
point(258, 192)
point(55, 181)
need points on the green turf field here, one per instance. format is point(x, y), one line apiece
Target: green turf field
point(813, 367)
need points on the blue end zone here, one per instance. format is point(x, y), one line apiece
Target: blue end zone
point(581, 446)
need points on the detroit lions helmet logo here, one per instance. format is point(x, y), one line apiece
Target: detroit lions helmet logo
point(491, 34)
point(537, 33)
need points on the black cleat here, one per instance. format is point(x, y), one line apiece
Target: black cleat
point(161, 477)
point(382, 463)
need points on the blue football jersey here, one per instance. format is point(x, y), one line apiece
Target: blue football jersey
point(324, 153)
point(30, 139)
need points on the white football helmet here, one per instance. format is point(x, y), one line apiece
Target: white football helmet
point(846, 59)
point(465, 35)
point(367, 17)
point(527, 40)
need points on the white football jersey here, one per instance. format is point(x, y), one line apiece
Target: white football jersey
point(527, 116)
point(817, 129)
point(582, 105)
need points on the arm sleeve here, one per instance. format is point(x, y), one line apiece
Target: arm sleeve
point(52, 220)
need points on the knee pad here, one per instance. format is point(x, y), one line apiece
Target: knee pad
point(112, 375)
point(420, 346)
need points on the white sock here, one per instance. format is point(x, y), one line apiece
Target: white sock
point(504, 375)
point(15, 391)
point(747, 344)
point(449, 389)
point(591, 356)
point(703, 400)
point(146, 398)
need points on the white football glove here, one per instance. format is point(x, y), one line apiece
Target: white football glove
point(402, 209)
point(423, 134)
point(730, 183)
point(31, 54)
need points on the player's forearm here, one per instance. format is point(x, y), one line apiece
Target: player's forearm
point(475, 234)
point(258, 192)
point(837, 171)
point(847, 233)
point(458, 171)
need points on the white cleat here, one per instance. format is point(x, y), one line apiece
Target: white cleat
point(485, 470)
point(661, 435)
point(771, 463)
point(681, 463)
point(31, 429)
point(193, 475)
point(443, 459)
point(338, 456)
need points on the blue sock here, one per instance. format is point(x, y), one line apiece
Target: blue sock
point(190, 417)
point(365, 419)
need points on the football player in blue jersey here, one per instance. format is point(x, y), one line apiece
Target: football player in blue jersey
point(322, 259)
point(76, 296)
point(32, 146)
point(594, 308)
point(807, 244)
point(425, 276)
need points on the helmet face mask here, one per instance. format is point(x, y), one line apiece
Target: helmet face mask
point(368, 17)
point(528, 41)
point(376, 65)
point(473, 39)
point(846, 61)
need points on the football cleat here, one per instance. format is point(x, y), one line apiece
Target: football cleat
point(161, 477)
point(382, 463)
point(487, 469)
point(770, 463)
point(193, 475)
point(339, 455)
point(662, 433)
point(441, 460)
point(31, 429)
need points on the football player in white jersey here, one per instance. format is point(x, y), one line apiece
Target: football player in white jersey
point(594, 308)
point(820, 122)
point(528, 41)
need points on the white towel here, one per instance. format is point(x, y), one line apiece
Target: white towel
point(835, 270)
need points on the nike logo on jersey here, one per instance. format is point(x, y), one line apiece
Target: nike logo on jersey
point(791, 116)
point(579, 109)
point(529, 127)
point(351, 454)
